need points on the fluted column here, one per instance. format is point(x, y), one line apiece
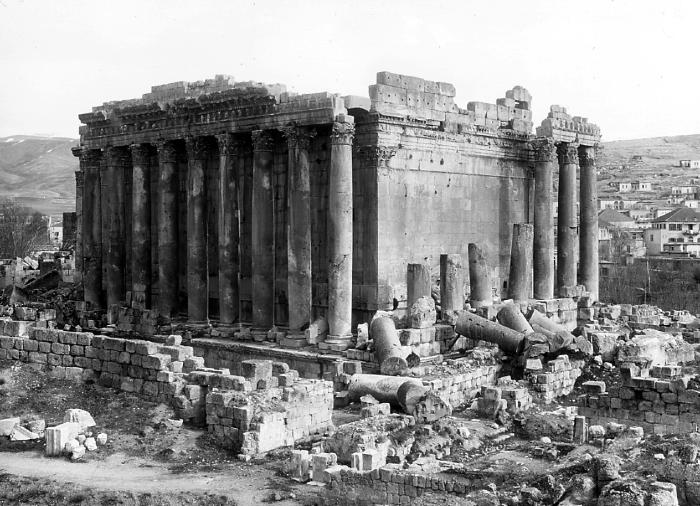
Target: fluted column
point(118, 158)
point(229, 263)
point(566, 224)
point(197, 274)
point(340, 232)
point(588, 238)
point(90, 162)
point(78, 253)
point(141, 226)
point(167, 219)
point(298, 228)
point(543, 245)
point(263, 266)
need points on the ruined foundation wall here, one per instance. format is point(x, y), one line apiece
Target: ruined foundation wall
point(660, 406)
point(265, 406)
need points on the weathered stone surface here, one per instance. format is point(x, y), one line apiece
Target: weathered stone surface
point(7, 425)
point(80, 416)
point(422, 313)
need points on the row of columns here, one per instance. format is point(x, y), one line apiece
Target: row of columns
point(110, 168)
point(569, 156)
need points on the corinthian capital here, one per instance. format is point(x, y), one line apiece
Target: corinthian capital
point(117, 156)
point(297, 137)
point(262, 140)
point(568, 153)
point(140, 153)
point(544, 149)
point(167, 152)
point(197, 147)
point(342, 133)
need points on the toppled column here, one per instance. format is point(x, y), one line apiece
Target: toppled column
point(141, 226)
point(167, 219)
point(118, 159)
point(263, 230)
point(480, 329)
point(409, 394)
point(479, 277)
point(422, 403)
point(387, 346)
point(298, 228)
point(417, 282)
point(543, 244)
point(451, 283)
point(520, 276)
point(588, 239)
point(382, 388)
point(90, 161)
point(340, 233)
point(229, 162)
point(566, 222)
point(197, 264)
point(511, 316)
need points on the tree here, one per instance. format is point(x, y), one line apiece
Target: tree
point(22, 230)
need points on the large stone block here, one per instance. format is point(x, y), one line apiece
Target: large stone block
point(58, 436)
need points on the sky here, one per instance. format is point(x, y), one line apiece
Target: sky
point(629, 66)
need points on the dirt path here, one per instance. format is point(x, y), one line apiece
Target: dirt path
point(119, 472)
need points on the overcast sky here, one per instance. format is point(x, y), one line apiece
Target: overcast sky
point(629, 66)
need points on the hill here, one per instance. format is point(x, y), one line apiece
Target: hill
point(653, 159)
point(39, 172)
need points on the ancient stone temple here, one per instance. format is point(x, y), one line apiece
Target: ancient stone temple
point(244, 203)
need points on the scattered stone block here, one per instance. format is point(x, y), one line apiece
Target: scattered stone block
point(7, 425)
point(78, 453)
point(80, 416)
point(90, 444)
point(19, 433)
point(101, 439)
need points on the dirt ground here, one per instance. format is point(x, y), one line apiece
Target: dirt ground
point(147, 460)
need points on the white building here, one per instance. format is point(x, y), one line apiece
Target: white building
point(675, 232)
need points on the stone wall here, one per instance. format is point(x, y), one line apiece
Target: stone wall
point(444, 176)
point(267, 408)
point(661, 406)
point(392, 485)
point(558, 378)
point(264, 407)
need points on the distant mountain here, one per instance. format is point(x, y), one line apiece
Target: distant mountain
point(654, 159)
point(39, 172)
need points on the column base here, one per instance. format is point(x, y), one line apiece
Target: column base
point(336, 343)
point(294, 340)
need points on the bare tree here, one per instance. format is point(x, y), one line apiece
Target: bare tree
point(22, 229)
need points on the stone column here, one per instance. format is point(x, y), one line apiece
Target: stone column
point(520, 274)
point(418, 283)
point(197, 274)
point(167, 229)
point(566, 223)
point(90, 162)
point(118, 159)
point(141, 226)
point(588, 238)
point(298, 228)
point(543, 244)
point(339, 227)
point(451, 283)
point(263, 265)
point(78, 253)
point(229, 262)
point(479, 277)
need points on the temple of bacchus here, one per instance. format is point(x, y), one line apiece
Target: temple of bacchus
point(218, 201)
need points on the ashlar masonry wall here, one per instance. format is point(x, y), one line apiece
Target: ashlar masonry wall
point(265, 407)
point(667, 405)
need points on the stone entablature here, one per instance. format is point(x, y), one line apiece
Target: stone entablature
point(562, 127)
